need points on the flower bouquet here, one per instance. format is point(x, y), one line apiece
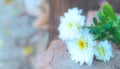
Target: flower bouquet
point(86, 42)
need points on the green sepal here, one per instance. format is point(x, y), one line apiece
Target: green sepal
point(108, 11)
point(101, 16)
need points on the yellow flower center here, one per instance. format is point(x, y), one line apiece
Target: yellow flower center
point(82, 44)
point(70, 24)
point(101, 50)
point(77, 25)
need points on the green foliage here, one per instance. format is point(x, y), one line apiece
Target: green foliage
point(107, 26)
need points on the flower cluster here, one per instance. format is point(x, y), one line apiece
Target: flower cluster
point(80, 42)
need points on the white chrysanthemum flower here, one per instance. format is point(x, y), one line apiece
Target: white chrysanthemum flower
point(103, 51)
point(70, 24)
point(81, 49)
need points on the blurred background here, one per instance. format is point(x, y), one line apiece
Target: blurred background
point(28, 26)
point(23, 32)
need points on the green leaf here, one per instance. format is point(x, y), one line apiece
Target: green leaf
point(116, 37)
point(108, 11)
point(112, 30)
point(94, 21)
point(101, 16)
point(113, 40)
point(117, 29)
point(96, 37)
point(94, 31)
point(119, 20)
point(103, 35)
point(106, 26)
